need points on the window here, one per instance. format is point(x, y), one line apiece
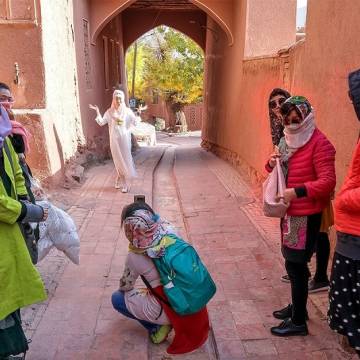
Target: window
point(106, 62)
point(87, 54)
point(112, 62)
point(117, 62)
point(12, 11)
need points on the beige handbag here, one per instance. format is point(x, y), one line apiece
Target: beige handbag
point(273, 193)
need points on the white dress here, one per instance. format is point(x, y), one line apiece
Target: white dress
point(145, 131)
point(120, 122)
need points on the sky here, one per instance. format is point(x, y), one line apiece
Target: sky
point(301, 3)
point(301, 13)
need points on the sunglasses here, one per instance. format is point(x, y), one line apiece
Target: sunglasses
point(6, 99)
point(276, 103)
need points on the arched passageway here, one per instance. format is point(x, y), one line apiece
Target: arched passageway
point(114, 25)
point(220, 11)
point(165, 71)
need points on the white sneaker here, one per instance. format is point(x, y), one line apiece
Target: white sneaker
point(124, 189)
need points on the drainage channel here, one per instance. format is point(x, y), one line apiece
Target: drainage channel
point(167, 203)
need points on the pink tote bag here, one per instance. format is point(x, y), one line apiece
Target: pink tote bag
point(273, 193)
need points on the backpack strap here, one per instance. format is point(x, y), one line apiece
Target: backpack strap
point(7, 151)
point(159, 297)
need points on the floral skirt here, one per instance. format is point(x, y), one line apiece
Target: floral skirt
point(344, 297)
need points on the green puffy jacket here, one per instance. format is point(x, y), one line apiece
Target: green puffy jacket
point(20, 282)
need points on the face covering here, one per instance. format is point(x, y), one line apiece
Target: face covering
point(293, 126)
point(5, 126)
point(298, 137)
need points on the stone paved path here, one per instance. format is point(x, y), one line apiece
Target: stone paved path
point(214, 208)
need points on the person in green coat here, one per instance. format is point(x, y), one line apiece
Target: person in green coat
point(20, 282)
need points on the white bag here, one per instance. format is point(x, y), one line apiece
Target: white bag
point(273, 193)
point(58, 230)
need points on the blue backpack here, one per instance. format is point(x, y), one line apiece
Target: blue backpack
point(187, 283)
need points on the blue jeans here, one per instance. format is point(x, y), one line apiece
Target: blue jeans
point(118, 302)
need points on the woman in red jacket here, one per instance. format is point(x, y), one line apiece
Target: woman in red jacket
point(344, 295)
point(308, 163)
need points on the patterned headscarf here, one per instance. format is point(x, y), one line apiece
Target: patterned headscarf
point(298, 103)
point(276, 126)
point(145, 232)
point(296, 138)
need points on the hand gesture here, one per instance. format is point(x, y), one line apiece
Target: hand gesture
point(94, 107)
point(272, 160)
point(289, 195)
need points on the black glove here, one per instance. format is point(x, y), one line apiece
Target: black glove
point(31, 212)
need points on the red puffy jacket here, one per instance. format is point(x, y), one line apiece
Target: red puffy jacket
point(312, 167)
point(347, 202)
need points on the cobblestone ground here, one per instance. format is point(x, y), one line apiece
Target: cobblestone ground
point(216, 210)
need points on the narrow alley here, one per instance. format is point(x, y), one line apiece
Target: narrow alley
point(215, 209)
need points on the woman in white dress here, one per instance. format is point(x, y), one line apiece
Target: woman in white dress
point(120, 119)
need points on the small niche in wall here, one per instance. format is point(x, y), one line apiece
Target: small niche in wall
point(106, 62)
point(112, 63)
point(86, 34)
point(18, 12)
point(117, 62)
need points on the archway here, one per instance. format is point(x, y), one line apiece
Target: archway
point(165, 72)
point(221, 12)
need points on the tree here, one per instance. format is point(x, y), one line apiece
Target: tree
point(170, 63)
point(140, 61)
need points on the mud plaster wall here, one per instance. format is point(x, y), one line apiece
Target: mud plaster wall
point(92, 90)
point(223, 73)
point(319, 70)
point(62, 124)
point(21, 43)
point(316, 68)
point(270, 26)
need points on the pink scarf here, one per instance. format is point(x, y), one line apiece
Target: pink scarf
point(19, 129)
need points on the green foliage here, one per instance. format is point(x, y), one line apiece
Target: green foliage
point(170, 63)
point(140, 62)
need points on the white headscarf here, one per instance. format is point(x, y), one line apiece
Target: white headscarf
point(122, 110)
point(296, 138)
point(118, 93)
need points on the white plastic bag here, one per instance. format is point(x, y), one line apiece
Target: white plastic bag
point(273, 193)
point(37, 190)
point(58, 230)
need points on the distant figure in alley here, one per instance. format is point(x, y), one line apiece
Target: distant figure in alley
point(120, 119)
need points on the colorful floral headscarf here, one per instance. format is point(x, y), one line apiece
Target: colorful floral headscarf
point(299, 103)
point(276, 125)
point(146, 231)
